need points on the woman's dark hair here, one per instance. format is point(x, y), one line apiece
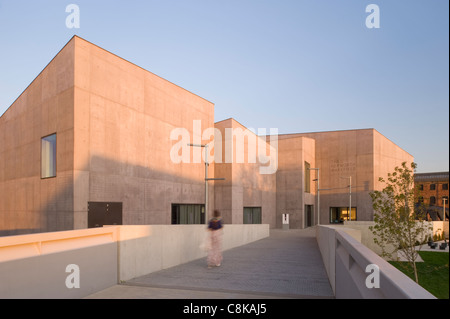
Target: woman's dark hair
point(216, 213)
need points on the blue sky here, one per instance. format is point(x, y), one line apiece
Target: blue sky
point(295, 65)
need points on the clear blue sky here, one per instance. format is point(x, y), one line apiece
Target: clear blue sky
point(295, 65)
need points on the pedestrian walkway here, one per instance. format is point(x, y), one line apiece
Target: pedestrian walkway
point(287, 264)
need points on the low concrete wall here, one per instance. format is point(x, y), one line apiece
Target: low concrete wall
point(145, 249)
point(35, 266)
point(367, 235)
point(346, 259)
point(326, 237)
point(438, 227)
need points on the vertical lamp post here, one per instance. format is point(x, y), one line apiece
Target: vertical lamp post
point(318, 193)
point(443, 212)
point(206, 177)
point(350, 195)
point(443, 217)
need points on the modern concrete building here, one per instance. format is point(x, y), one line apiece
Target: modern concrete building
point(97, 140)
point(333, 171)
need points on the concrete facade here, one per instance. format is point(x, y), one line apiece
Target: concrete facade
point(243, 186)
point(292, 195)
point(114, 124)
point(113, 121)
point(363, 154)
point(124, 116)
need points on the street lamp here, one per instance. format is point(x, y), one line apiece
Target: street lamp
point(350, 195)
point(318, 192)
point(443, 212)
point(206, 177)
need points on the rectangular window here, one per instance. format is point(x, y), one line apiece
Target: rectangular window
point(252, 215)
point(188, 214)
point(432, 187)
point(307, 178)
point(445, 187)
point(340, 214)
point(432, 200)
point(48, 156)
point(421, 187)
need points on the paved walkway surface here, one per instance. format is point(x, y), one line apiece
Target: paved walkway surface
point(285, 265)
point(424, 247)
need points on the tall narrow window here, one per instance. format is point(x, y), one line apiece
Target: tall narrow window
point(432, 200)
point(48, 156)
point(307, 178)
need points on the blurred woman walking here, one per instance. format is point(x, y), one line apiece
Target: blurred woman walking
point(215, 228)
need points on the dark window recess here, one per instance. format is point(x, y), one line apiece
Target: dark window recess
point(307, 178)
point(252, 215)
point(309, 212)
point(432, 200)
point(188, 214)
point(104, 213)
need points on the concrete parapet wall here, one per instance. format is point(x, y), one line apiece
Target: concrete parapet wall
point(346, 259)
point(35, 265)
point(367, 237)
point(148, 248)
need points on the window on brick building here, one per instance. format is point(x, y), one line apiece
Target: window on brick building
point(432, 187)
point(445, 187)
point(432, 200)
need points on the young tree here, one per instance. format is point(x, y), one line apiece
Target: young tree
point(399, 223)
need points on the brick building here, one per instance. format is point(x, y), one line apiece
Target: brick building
point(433, 191)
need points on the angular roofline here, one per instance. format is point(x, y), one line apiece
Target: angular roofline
point(76, 36)
point(348, 130)
point(233, 119)
point(26, 88)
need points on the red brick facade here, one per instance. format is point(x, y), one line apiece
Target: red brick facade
point(433, 189)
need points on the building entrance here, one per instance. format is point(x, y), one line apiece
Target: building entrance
point(309, 215)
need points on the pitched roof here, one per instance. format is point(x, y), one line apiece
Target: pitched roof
point(431, 177)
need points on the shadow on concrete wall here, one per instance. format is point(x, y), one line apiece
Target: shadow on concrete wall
point(146, 194)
